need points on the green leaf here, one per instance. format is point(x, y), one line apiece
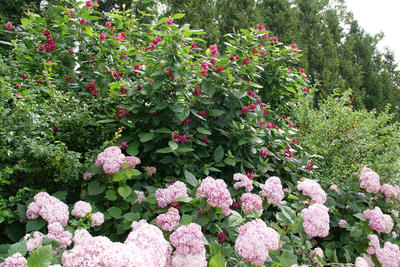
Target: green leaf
point(7, 43)
point(40, 257)
point(288, 213)
point(89, 31)
point(288, 259)
point(51, 242)
point(146, 137)
point(115, 85)
point(124, 191)
point(131, 216)
point(164, 150)
point(133, 148)
point(94, 188)
point(183, 199)
point(184, 149)
point(230, 161)
point(163, 130)
point(217, 261)
point(110, 195)
point(35, 225)
point(255, 85)
point(235, 219)
point(162, 105)
point(190, 178)
point(115, 212)
point(173, 145)
point(186, 219)
point(94, 169)
point(218, 154)
point(118, 177)
point(25, 21)
point(203, 131)
point(178, 16)
point(18, 247)
point(152, 199)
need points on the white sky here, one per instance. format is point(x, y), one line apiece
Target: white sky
point(379, 15)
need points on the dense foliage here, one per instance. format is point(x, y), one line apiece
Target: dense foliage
point(149, 151)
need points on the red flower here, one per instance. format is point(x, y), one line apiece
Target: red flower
point(250, 93)
point(194, 46)
point(123, 145)
point(252, 106)
point(82, 21)
point(197, 91)
point(102, 36)
point(186, 121)
point(305, 89)
point(169, 21)
point(56, 129)
point(204, 140)
point(24, 77)
point(9, 25)
point(68, 79)
point(89, 4)
point(245, 62)
point(245, 109)
point(261, 27)
point(170, 74)
point(139, 87)
point(250, 175)
point(294, 140)
point(40, 81)
point(219, 69)
point(258, 101)
point(108, 24)
point(214, 50)
point(123, 56)
point(263, 153)
point(221, 236)
point(302, 70)
point(291, 124)
point(123, 90)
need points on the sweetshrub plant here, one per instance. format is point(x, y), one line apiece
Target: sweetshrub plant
point(195, 157)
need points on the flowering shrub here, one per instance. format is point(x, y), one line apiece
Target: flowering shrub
point(191, 135)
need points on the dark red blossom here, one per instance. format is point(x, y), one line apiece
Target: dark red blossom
point(56, 129)
point(245, 62)
point(221, 236)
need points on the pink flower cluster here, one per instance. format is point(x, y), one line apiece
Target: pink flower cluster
point(255, 240)
point(313, 190)
point(315, 253)
point(375, 219)
point(151, 243)
point(360, 262)
point(244, 182)
point(49, 208)
point(16, 260)
point(390, 191)
point(273, 190)
point(112, 160)
point(9, 26)
point(373, 245)
point(56, 232)
point(87, 175)
point(189, 246)
point(214, 50)
point(217, 194)
point(50, 45)
point(33, 241)
point(180, 138)
point(81, 208)
point(97, 219)
point(341, 223)
point(389, 256)
point(168, 195)
point(316, 220)
point(168, 221)
point(251, 202)
point(150, 170)
point(369, 180)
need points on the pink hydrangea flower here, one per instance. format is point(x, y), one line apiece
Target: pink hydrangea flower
point(390, 191)
point(187, 239)
point(251, 202)
point(273, 190)
point(389, 256)
point(313, 190)
point(255, 240)
point(341, 223)
point(15, 260)
point(369, 180)
point(375, 219)
point(151, 242)
point(167, 196)
point(131, 161)
point(150, 170)
point(373, 244)
point(112, 160)
point(316, 220)
point(360, 262)
point(189, 260)
point(87, 175)
point(97, 219)
point(168, 221)
point(217, 194)
point(389, 223)
point(56, 232)
point(81, 208)
point(335, 188)
point(245, 182)
point(33, 241)
point(49, 208)
point(315, 253)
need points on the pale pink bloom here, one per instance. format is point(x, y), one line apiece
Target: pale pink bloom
point(368, 259)
point(273, 190)
point(389, 256)
point(335, 188)
point(169, 21)
point(32, 212)
point(56, 232)
point(255, 240)
point(150, 170)
point(373, 244)
point(315, 253)
point(33, 241)
point(244, 182)
point(112, 160)
point(97, 219)
point(313, 190)
point(151, 242)
point(388, 222)
point(87, 175)
point(316, 220)
point(251, 202)
point(189, 260)
point(360, 262)
point(49, 208)
point(167, 196)
point(390, 191)
point(81, 208)
point(131, 161)
point(217, 194)
point(187, 239)
point(140, 198)
point(341, 223)
point(168, 221)
point(15, 260)
point(375, 219)
point(369, 180)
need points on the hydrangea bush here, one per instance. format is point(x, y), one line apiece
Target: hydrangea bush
point(203, 168)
